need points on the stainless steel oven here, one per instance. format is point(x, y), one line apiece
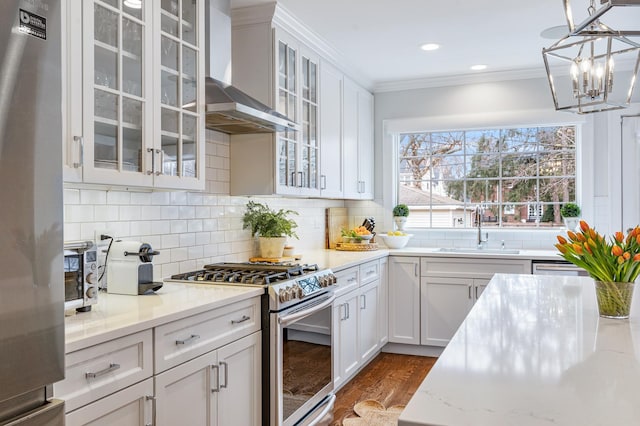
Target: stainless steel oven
point(296, 331)
point(301, 360)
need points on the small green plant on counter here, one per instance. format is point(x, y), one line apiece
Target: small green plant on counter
point(570, 210)
point(401, 210)
point(269, 223)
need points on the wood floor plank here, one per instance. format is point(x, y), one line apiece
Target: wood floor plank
point(390, 379)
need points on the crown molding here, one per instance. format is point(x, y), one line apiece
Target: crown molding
point(276, 14)
point(458, 80)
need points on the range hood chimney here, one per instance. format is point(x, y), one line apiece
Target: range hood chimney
point(228, 109)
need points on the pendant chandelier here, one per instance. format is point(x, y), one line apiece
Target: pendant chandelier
point(593, 68)
point(615, 12)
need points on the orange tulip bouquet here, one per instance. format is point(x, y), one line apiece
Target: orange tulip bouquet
point(613, 264)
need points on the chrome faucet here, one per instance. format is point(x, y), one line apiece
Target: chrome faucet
point(478, 218)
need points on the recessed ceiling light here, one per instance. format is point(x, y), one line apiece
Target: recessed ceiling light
point(430, 46)
point(478, 67)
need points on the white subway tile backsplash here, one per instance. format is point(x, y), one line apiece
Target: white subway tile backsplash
point(90, 196)
point(130, 212)
point(141, 198)
point(170, 212)
point(170, 241)
point(178, 226)
point(160, 198)
point(178, 198)
point(79, 213)
point(71, 196)
point(107, 213)
point(159, 227)
point(118, 197)
point(179, 254)
point(194, 225)
point(187, 212)
point(141, 228)
point(203, 238)
point(187, 240)
point(71, 232)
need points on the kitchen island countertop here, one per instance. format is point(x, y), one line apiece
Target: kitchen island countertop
point(533, 351)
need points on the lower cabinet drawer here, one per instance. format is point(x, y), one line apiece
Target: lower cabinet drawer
point(182, 340)
point(369, 272)
point(348, 279)
point(100, 370)
point(132, 406)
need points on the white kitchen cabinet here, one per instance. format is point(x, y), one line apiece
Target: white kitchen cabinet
point(358, 141)
point(134, 98)
point(450, 287)
point(383, 305)
point(345, 338)
point(368, 340)
point(221, 387)
point(331, 159)
point(290, 161)
point(132, 406)
point(404, 300)
point(445, 303)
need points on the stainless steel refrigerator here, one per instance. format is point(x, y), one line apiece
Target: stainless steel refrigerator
point(31, 221)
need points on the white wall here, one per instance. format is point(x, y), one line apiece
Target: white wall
point(189, 229)
point(509, 102)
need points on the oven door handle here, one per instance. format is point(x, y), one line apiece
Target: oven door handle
point(291, 318)
point(330, 402)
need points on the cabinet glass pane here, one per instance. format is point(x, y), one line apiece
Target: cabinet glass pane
point(305, 78)
point(291, 70)
point(189, 125)
point(113, 3)
point(169, 57)
point(282, 171)
point(189, 28)
point(170, 161)
point(305, 122)
point(188, 93)
point(189, 62)
point(169, 89)
point(291, 107)
point(282, 102)
point(170, 6)
point(132, 112)
point(169, 25)
point(313, 126)
point(133, 7)
point(131, 149)
point(282, 64)
point(313, 79)
point(131, 37)
point(132, 76)
point(105, 67)
point(169, 120)
point(106, 104)
point(105, 143)
point(106, 25)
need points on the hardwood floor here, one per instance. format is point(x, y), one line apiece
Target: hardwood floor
point(390, 379)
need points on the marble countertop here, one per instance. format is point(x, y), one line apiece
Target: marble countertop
point(117, 315)
point(533, 351)
point(337, 260)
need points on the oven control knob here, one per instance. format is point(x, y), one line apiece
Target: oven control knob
point(324, 281)
point(298, 292)
point(333, 278)
point(91, 292)
point(283, 295)
point(91, 278)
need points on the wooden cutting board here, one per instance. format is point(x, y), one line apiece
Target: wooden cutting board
point(336, 220)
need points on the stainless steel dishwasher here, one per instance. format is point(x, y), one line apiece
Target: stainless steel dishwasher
point(557, 267)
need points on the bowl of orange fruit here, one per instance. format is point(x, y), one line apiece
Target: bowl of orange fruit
point(358, 234)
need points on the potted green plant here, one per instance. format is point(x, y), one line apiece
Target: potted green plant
point(272, 227)
point(400, 214)
point(571, 215)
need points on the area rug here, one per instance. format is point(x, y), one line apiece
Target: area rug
point(373, 413)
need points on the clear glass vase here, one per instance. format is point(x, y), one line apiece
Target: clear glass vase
point(614, 299)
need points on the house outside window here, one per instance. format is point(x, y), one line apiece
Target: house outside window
point(519, 177)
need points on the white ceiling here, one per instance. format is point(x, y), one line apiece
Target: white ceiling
point(381, 38)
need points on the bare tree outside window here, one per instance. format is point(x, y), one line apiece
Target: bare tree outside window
point(520, 177)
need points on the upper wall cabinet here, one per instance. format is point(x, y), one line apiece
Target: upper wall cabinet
point(274, 60)
point(358, 141)
point(135, 104)
point(287, 79)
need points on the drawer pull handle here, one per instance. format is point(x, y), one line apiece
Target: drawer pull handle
point(352, 279)
point(112, 367)
point(187, 340)
point(243, 319)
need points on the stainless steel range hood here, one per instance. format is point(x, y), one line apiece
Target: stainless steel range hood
point(228, 109)
point(231, 111)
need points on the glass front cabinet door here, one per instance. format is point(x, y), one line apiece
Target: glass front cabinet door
point(297, 98)
point(136, 120)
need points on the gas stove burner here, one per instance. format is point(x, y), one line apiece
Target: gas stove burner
point(255, 273)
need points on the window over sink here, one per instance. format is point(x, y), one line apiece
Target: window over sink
point(518, 177)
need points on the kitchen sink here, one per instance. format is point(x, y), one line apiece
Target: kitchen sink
point(479, 250)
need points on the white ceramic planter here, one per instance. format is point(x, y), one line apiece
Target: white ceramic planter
point(272, 247)
point(571, 223)
point(400, 222)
